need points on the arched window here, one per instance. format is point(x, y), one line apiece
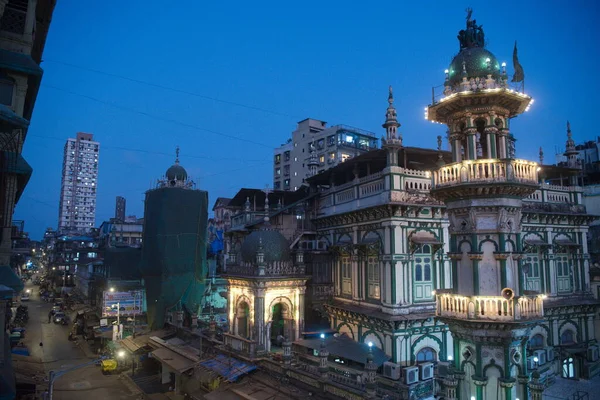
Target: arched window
point(567, 337)
point(426, 354)
point(7, 86)
point(536, 342)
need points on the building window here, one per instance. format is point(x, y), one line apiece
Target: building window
point(346, 157)
point(567, 337)
point(423, 282)
point(536, 342)
point(286, 183)
point(332, 156)
point(278, 171)
point(320, 144)
point(330, 140)
point(532, 268)
point(286, 170)
point(7, 87)
point(346, 276)
point(563, 274)
point(277, 158)
point(426, 354)
point(373, 277)
point(14, 17)
point(286, 156)
point(295, 174)
point(277, 185)
point(321, 159)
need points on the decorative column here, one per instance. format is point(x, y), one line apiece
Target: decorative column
point(502, 143)
point(212, 327)
point(480, 383)
point(301, 291)
point(371, 371)
point(536, 387)
point(287, 353)
point(524, 383)
point(259, 318)
point(450, 383)
point(507, 384)
point(323, 355)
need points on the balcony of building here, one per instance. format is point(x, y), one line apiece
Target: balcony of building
point(490, 308)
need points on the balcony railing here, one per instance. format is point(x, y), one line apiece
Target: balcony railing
point(244, 346)
point(277, 268)
point(486, 171)
point(489, 308)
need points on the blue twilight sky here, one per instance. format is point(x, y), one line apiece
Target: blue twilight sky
point(243, 73)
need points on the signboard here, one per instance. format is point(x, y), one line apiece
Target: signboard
point(123, 303)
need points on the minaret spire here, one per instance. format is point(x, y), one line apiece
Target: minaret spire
point(177, 155)
point(393, 140)
point(541, 156)
point(570, 151)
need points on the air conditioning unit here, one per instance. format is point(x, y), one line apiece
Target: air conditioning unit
point(442, 369)
point(550, 354)
point(592, 353)
point(541, 355)
point(411, 375)
point(391, 370)
point(426, 371)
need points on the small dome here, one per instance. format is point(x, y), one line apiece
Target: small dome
point(475, 59)
point(176, 172)
point(275, 246)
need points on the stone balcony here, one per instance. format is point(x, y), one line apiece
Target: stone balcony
point(489, 308)
point(485, 177)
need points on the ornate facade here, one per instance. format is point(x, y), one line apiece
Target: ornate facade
point(421, 259)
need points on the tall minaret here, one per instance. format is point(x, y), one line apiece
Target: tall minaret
point(393, 140)
point(571, 154)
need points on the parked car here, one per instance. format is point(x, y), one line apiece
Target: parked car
point(25, 296)
point(61, 318)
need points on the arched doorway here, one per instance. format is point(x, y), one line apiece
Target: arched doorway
point(282, 324)
point(243, 315)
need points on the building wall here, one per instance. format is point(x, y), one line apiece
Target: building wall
point(77, 208)
point(120, 205)
point(332, 145)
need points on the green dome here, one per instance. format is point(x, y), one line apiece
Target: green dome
point(275, 246)
point(475, 59)
point(176, 172)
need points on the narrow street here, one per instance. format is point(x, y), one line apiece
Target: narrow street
point(58, 353)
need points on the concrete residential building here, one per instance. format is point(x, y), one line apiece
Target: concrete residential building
point(313, 148)
point(20, 77)
point(120, 208)
point(77, 212)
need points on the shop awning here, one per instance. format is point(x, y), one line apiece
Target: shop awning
point(173, 360)
point(228, 367)
point(536, 242)
point(566, 243)
point(424, 240)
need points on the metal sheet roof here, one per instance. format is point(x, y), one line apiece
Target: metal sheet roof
point(173, 360)
point(228, 367)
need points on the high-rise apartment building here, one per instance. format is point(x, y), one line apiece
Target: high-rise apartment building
point(77, 211)
point(313, 148)
point(120, 208)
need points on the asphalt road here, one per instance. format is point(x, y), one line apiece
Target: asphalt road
point(59, 354)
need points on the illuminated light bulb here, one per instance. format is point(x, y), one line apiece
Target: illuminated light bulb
point(371, 345)
point(322, 336)
point(535, 359)
point(503, 64)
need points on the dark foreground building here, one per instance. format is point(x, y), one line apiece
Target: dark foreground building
point(174, 251)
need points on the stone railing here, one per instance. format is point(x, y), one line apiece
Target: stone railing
point(276, 268)
point(239, 344)
point(489, 308)
point(486, 171)
point(371, 188)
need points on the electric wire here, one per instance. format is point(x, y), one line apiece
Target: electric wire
point(158, 118)
point(181, 91)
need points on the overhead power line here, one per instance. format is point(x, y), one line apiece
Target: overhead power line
point(181, 91)
point(183, 155)
point(156, 117)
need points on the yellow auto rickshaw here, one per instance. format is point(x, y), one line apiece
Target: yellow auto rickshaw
point(109, 366)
